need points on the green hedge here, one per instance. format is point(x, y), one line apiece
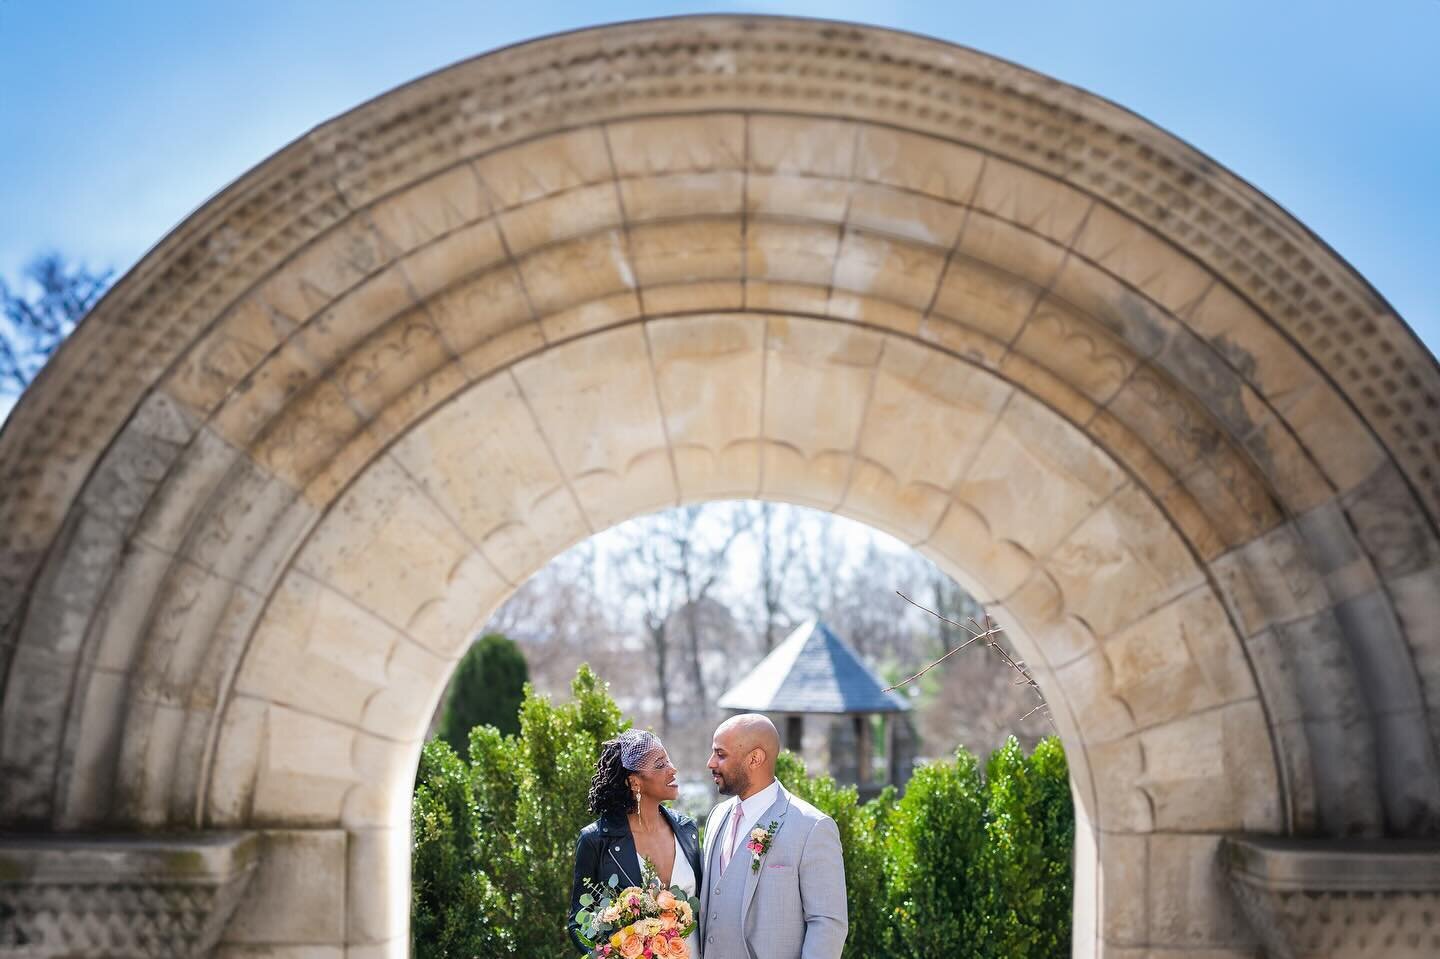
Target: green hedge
point(494, 838)
point(969, 863)
point(965, 864)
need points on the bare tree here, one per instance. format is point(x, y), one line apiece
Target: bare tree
point(781, 545)
point(643, 567)
point(823, 567)
point(704, 562)
point(866, 610)
point(560, 618)
point(37, 320)
point(671, 563)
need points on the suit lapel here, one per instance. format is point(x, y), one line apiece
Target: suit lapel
point(776, 813)
point(712, 862)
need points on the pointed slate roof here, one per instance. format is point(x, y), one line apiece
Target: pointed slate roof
point(812, 671)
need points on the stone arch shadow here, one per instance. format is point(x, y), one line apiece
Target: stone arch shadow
point(253, 509)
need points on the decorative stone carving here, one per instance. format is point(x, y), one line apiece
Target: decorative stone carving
point(120, 897)
point(1338, 899)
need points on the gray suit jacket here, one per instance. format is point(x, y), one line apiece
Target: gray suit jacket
point(794, 906)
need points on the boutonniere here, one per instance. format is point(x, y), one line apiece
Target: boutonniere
point(759, 843)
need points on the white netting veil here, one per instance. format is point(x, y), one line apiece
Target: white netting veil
point(637, 745)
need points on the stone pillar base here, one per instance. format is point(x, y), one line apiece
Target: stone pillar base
point(119, 897)
point(1338, 899)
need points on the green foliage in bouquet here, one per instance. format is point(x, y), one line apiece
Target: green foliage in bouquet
point(494, 838)
point(609, 913)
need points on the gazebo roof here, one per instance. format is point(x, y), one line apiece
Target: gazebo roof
point(812, 671)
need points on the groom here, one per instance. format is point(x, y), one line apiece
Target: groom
point(787, 902)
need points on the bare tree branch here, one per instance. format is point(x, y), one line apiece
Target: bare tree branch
point(988, 634)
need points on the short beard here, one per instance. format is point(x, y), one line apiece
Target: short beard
point(734, 787)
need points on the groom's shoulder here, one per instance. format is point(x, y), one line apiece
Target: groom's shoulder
point(803, 809)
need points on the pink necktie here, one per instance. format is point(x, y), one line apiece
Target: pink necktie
point(734, 837)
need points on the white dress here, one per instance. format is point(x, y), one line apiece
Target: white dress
point(683, 876)
point(680, 874)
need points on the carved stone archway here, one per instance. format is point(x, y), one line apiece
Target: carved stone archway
point(252, 510)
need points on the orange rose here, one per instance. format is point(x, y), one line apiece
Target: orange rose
point(668, 920)
point(632, 946)
point(676, 949)
point(666, 900)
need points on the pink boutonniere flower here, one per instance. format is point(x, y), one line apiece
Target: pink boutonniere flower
point(759, 843)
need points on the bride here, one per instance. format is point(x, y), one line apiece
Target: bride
point(633, 777)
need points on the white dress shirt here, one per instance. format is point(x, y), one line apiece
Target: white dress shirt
point(749, 812)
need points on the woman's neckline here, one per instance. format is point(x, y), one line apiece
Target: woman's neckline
point(679, 855)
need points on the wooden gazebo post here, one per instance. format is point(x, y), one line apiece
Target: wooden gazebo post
point(863, 749)
point(890, 751)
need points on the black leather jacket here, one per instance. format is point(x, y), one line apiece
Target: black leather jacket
point(606, 848)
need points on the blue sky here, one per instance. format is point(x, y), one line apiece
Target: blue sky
point(119, 119)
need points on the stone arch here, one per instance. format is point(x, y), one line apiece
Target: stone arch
point(253, 508)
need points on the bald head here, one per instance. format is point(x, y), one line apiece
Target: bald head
point(752, 731)
point(742, 754)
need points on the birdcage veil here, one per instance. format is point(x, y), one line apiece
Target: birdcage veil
point(635, 746)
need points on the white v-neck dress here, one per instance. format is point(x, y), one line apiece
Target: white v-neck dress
point(683, 876)
point(680, 874)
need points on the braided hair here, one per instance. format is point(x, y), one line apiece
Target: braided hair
point(610, 788)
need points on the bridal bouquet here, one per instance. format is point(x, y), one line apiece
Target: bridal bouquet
point(637, 921)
